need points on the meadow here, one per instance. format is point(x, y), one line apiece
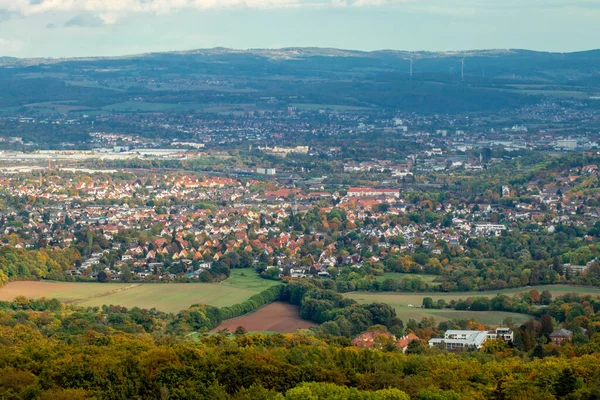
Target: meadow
point(334, 107)
point(407, 305)
point(171, 297)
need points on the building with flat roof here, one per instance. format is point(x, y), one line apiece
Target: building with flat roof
point(489, 229)
point(371, 192)
point(504, 333)
point(471, 340)
point(456, 340)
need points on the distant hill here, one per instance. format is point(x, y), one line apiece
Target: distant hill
point(493, 80)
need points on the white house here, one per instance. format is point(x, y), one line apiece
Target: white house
point(457, 339)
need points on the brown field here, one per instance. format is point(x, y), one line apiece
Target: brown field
point(275, 317)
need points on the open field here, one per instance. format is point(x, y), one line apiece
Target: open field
point(63, 107)
point(170, 297)
point(67, 292)
point(417, 297)
point(407, 305)
point(141, 106)
point(248, 279)
point(275, 317)
point(335, 107)
point(488, 318)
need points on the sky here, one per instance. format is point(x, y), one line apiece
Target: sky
point(75, 28)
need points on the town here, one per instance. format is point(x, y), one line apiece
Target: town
point(325, 221)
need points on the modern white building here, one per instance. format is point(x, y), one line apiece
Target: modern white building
point(457, 339)
point(368, 192)
point(504, 333)
point(488, 229)
point(566, 144)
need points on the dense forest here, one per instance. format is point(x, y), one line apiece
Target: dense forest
point(49, 351)
point(19, 264)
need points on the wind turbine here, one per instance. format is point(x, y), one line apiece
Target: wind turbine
point(411, 66)
point(462, 69)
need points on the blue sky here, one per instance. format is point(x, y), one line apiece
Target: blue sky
point(65, 28)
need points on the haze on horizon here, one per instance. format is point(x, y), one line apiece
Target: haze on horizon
point(70, 28)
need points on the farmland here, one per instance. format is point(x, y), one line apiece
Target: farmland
point(336, 107)
point(275, 317)
point(407, 305)
point(164, 297)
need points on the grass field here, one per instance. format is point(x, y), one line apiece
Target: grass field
point(489, 318)
point(549, 91)
point(141, 106)
point(334, 107)
point(171, 297)
point(63, 107)
point(407, 305)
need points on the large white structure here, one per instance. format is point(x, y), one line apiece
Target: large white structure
point(504, 333)
point(369, 192)
point(566, 144)
point(489, 229)
point(457, 339)
point(285, 150)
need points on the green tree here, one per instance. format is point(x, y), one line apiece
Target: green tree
point(102, 276)
point(427, 302)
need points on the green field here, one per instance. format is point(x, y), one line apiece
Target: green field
point(407, 305)
point(548, 90)
point(488, 318)
point(247, 279)
point(168, 297)
point(334, 107)
point(63, 107)
point(131, 106)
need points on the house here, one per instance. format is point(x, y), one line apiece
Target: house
point(369, 339)
point(576, 268)
point(405, 340)
point(561, 335)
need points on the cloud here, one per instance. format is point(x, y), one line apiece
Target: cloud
point(135, 6)
point(118, 8)
point(85, 21)
point(8, 46)
point(5, 14)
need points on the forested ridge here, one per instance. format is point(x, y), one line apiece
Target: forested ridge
point(112, 364)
